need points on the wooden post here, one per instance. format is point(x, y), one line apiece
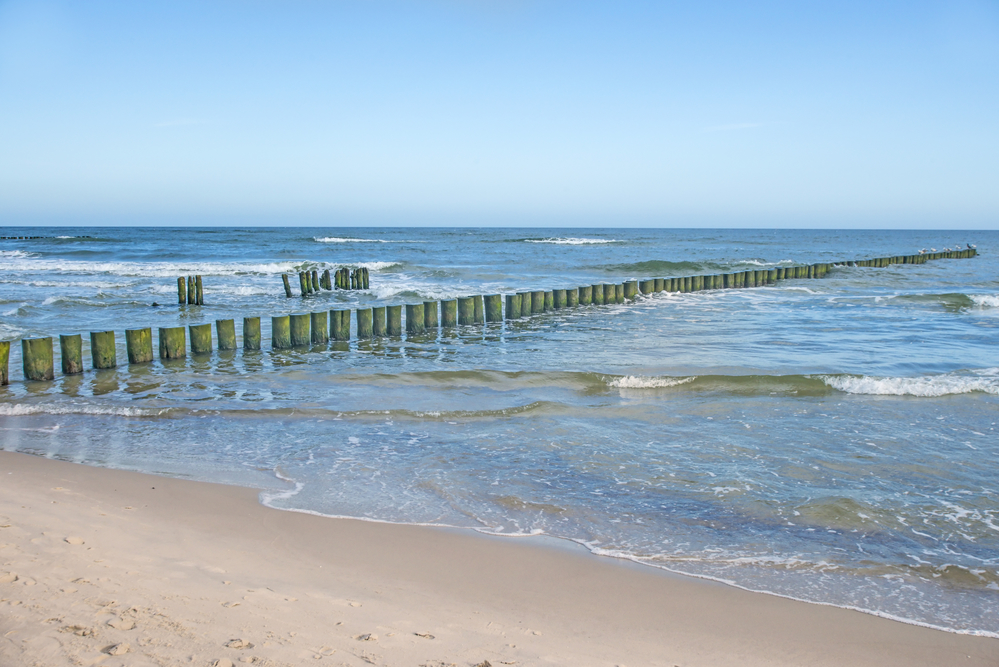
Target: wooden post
point(585, 295)
point(364, 322)
point(302, 284)
point(139, 345)
point(647, 286)
point(597, 295)
point(367, 279)
point(251, 333)
point(549, 301)
point(466, 310)
point(394, 320)
point(378, 324)
point(71, 353)
point(287, 285)
point(772, 277)
point(192, 292)
point(619, 293)
point(478, 310)
point(102, 349)
point(525, 304)
point(36, 358)
point(4, 362)
point(537, 302)
point(658, 285)
point(449, 313)
point(173, 342)
point(181, 291)
point(558, 299)
point(415, 318)
point(572, 297)
point(352, 278)
point(315, 280)
point(513, 306)
point(299, 329)
point(201, 338)
point(750, 278)
point(319, 324)
point(326, 280)
point(200, 299)
point(225, 333)
point(281, 332)
point(431, 321)
point(494, 308)
point(630, 288)
point(340, 325)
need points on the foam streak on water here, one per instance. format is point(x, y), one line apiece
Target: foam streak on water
point(829, 440)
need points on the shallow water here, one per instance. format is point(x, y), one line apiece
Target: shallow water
point(831, 440)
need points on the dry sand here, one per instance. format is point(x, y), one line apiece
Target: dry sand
point(118, 568)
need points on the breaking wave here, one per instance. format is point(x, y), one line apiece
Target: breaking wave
point(572, 241)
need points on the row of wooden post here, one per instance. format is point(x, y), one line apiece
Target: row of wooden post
point(190, 291)
point(311, 282)
point(290, 331)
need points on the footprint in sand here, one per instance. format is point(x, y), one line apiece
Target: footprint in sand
point(73, 540)
point(8, 578)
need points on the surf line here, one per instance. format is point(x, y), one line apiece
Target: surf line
point(319, 328)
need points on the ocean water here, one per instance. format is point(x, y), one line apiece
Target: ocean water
point(831, 440)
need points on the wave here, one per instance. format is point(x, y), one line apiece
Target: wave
point(23, 263)
point(659, 267)
point(761, 262)
point(572, 241)
point(927, 386)
point(985, 300)
point(639, 382)
point(952, 301)
point(16, 254)
point(337, 239)
point(23, 409)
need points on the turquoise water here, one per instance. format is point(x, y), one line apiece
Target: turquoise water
point(831, 440)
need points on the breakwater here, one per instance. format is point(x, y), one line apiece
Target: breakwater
point(298, 330)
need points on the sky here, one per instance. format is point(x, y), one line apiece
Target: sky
point(501, 112)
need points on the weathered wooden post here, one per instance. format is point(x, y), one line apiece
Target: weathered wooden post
point(394, 320)
point(192, 296)
point(352, 278)
point(251, 333)
point(102, 349)
point(315, 280)
point(513, 306)
point(478, 310)
point(572, 297)
point(327, 284)
point(585, 295)
point(281, 332)
point(449, 313)
point(173, 342)
point(549, 301)
point(364, 323)
point(367, 279)
point(630, 289)
point(181, 291)
point(537, 302)
point(415, 318)
point(320, 327)
point(287, 285)
point(4, 362)
point(201, 338)
point(431, 320)
point(36, 358)
point(379, 325)
point(302, 284)
point(340, 325)
point(525, 304)
point(139, 345)
point(658, 285)
point(494, 308)
point(619, 293)
point(71, 353)
point(299, 329)
point(772, 277)
point(466, 310)
point(200, 299)
point(225, 332)
point(647, 286)
point(597, 295)
point(558, 299)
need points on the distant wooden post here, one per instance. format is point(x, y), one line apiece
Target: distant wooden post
point(319, 324)
point(315, 280)
point(287, 285)
point(597, 295)
point(364, 323)
point(200, 298)
point(251, 333)
point(394, 320)
point(494, 308)
point(619, 293)
point(302, 284)
point(181, 290)
point(36, 359)
point(415, 318)
point(449, 313)
point(281, 332)
point(549, 300)
point(71, 353)
point(431, 320)
point(525, 304)
point(379, 326)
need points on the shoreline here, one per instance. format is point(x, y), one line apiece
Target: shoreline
point(195, 565)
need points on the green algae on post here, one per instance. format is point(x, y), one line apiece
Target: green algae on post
point(415, 318)
point(200, 297)
point(512, 306)
point(181, 290)
point(394, 320)
point(102, 349)
point(281, 332)
point(287, 285)
point(36, 358)
point(558, 299)
point(585, 295)
point(340, 324)
point(479, 310)
point(466, 310)
point(319, 324)
point(378, 322)
point(225, 333)
point(431, 319)
point(597, 295)
point(4, 362)
point(364, 323)
point(449, 313)
point(71, 353)
point(494, 308)
point(201, 338)
point(251, 333)
point(572, 297)
point(300, 334)
point(173, 342)
point(139, 345)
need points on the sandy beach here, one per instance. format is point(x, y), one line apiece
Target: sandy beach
point(120, 568)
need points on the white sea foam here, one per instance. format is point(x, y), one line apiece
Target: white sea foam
point(643, 382)
point(572, 241)
point(985, 300)
point(337, 239)
point(21, 409)
point(23, 263)
point(931, 386)
point(14, 254)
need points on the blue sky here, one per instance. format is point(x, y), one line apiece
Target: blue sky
point(506, 112)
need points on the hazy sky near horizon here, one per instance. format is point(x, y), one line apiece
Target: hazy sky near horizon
point(509, 112)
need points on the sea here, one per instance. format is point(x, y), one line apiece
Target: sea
point(830, 440)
